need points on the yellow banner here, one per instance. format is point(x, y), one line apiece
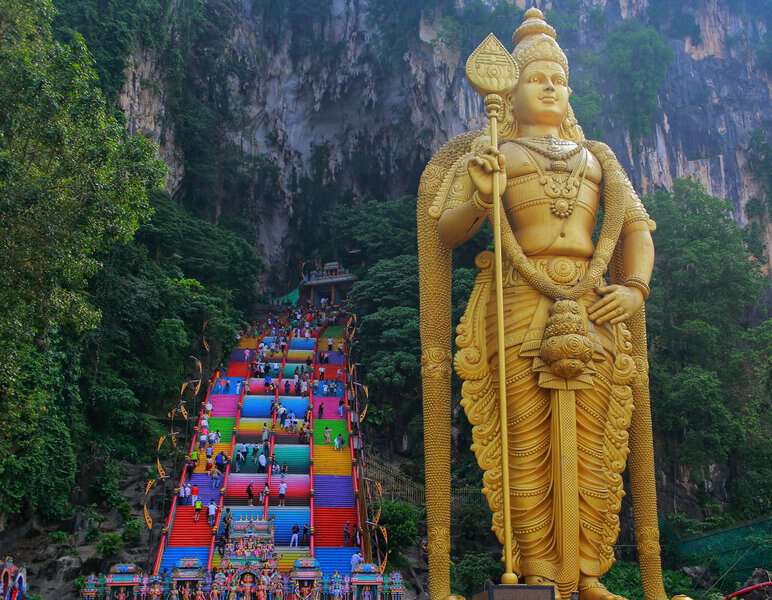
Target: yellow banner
point(161, 441)
point(148, 518)
point(149, 486)
point(184, 412)
point(363, 414)
point(160, 468)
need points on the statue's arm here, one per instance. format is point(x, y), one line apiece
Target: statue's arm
point(637, 245)
point(469, 197)
point(464, 217)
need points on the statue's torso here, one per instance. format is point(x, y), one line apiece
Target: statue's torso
point(532, 212)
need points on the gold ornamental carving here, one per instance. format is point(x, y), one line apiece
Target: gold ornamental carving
point(551, 348)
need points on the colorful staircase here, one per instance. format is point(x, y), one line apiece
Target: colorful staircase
point(321, 484)
point(185, 537)
point(334, 497)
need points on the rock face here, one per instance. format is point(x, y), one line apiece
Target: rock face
point(325, 84)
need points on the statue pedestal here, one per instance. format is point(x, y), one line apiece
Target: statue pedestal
point(516, 592)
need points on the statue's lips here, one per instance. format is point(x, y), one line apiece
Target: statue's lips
point(548, 99)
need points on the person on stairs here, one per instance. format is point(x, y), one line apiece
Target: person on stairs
point(304, 541)
point(327, 435)
point(194, 493)
point(346, 533)
point(212, 512)
point(197, 506)
point(250, 493)
point(294, 538)
point(282, 493)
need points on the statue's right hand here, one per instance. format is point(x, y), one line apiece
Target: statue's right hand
point(481, 169)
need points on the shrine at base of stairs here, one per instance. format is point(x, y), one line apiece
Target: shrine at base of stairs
point(268, 504)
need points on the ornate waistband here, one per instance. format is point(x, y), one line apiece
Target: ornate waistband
point(562, 270)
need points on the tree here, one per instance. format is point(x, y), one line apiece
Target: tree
point(72, 184)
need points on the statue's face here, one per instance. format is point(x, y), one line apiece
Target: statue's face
point(541, 95)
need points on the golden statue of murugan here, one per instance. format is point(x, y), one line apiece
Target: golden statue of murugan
point(568, 314)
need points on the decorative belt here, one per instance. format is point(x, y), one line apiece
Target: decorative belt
point(562, 270)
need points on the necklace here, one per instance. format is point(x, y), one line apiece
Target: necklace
point(553, 150)
point(561, 185)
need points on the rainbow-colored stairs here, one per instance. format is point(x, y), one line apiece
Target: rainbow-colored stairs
point(321, 484)
point(185, 537)
point(334, 499)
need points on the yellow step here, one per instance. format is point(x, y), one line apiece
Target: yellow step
point(286, 557)
point(201, 466)
point(328, 461)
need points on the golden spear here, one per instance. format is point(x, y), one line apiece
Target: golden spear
point(492, 71)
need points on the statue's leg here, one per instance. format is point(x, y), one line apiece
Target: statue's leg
point(530, 450)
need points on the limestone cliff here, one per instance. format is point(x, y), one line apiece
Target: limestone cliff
point(327, 97)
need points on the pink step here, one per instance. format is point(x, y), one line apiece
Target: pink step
point(330, 407)
point(226, 407)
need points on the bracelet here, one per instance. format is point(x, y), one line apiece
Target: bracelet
point(639, 284)
point(480, 203)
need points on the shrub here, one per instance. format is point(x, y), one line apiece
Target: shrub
point(110, 545)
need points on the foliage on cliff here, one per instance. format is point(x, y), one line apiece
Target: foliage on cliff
point(108, 286)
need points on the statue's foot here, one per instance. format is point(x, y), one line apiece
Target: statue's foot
point(592, 589)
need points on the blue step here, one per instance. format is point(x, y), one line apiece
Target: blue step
point(172, 555)
point(234, 385)
point(257, 407)
point(296, 404)
point(302, 344)
point(284, 518)
point(332, 559)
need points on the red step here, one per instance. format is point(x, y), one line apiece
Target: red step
point(328, 525)
point(186, 532)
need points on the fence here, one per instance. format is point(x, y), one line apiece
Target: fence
point(395, 485)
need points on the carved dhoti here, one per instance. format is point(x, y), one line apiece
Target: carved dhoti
point(567, 449)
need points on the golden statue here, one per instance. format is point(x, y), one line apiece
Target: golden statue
point(560, 315)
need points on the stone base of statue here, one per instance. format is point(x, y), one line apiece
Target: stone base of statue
point(516, 592)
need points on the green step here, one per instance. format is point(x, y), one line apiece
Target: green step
point(294, 455)
point(337, 426)
point(224, 425)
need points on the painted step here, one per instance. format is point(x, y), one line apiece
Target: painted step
point(335, 559)
point(328, 525)
point(248, 342)
point(302, 344)
point(328, 461)
point(296, 404)
point(228, 385)
point(172, 556)
point(225, 406)
point(257, 406)
point(201, 466)
point(333, 491)
point(287, 556)
point(206, 490)
point(284, 517)
point(225, 426)
point(186, 532)
point(237, 369)
point(329, 406)
point(337, 426)
point(294, 456)
point(328, 388)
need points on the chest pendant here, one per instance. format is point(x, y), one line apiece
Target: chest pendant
point(561, 184)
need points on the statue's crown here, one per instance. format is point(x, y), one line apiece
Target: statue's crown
point(536, 39)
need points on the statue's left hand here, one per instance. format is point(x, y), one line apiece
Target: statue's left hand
point(618, 304)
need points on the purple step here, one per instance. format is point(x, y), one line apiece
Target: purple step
point(206, 490)
point(333, 491)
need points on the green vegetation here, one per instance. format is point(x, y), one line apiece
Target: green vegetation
point(637, 59)
point(474, 570)
point(401, 521)
point(625, 579)
point(108, 284)
point(710, 371)
point(110, 545)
